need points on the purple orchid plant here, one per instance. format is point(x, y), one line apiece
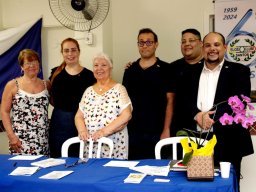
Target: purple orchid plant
point(240, 114)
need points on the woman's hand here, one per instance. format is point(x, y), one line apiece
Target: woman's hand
point(15, 144)
point(98, 134)
point(83, 135)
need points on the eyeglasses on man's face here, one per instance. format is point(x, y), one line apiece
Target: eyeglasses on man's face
point(72, 50)
point(147, 43)
point(190, 41)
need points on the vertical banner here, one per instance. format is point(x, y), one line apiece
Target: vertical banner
point(12, 41)
point(236, 20)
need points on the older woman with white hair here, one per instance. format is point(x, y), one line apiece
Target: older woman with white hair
point(105, 109)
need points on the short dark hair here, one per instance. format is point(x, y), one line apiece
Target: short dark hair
point(148, 30)
point(193, 31)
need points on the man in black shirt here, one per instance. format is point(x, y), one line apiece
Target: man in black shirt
point(151, 93)
point(191, 48)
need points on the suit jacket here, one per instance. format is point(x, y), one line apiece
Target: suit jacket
point(233, 141)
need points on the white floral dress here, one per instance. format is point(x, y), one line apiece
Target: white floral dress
point(100, 110)
point(29, 118)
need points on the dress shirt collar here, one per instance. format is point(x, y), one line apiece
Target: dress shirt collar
point(217, 68)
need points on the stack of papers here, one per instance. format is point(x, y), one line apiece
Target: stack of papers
point(49, 162)
point(134, 178)
point(25, 157)
point(24, 171)
point(152, 170)
point(56, 174)
point(115, 163)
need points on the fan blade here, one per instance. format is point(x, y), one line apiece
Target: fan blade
point(88, 14)
point(90, 10)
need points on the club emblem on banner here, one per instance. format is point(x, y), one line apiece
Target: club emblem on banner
point(241, 44)
point(242, 49)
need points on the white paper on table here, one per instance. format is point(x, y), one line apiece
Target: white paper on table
point(25, 157)
point(24, 171)
point(152, 170)
point(135, 178)
point(128, 164)
point(49, 162)
point(56, 174)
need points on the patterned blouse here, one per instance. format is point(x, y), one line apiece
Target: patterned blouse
point(29, 117)
point(100, 110)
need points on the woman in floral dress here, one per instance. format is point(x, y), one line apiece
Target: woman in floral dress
point(104, 110)
point(24, 108)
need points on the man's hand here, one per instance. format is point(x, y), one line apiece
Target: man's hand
point(127, 65)
point(203, 119)
point(165, 134)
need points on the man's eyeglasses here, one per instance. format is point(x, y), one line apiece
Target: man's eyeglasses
point(147, 43)
point(72, 50)
point(190, 41)
point(31, 64)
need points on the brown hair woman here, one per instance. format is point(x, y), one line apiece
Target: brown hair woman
point(24, 108)
point(68, 82)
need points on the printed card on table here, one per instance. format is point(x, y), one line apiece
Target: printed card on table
point(135, 178)
point(24, 171)
point(56, 174)
point(49, 162)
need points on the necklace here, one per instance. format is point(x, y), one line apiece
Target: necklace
point(102, 87)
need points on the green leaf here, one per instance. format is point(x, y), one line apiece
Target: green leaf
point(182, 133)
point(187, 158)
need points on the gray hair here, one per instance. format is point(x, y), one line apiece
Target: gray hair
point(103, 56)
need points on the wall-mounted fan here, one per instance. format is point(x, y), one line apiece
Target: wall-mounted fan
point(80, 15)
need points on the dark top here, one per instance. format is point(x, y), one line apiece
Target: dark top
point(180, 69)
point(147, 89)
point(67, 90)
point(233, 141)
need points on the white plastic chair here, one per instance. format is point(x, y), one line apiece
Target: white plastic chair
point(101, 141)
point(171, 141)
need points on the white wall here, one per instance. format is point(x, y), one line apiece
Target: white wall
point(118, 36)
point(248, 171)
point(16, 12)
point(0, 16)
point(167, 18)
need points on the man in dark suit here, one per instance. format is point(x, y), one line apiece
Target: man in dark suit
point(210, 83)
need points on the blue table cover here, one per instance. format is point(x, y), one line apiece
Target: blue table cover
point(94, 177)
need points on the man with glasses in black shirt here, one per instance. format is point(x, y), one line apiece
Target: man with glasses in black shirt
point(151, 92)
